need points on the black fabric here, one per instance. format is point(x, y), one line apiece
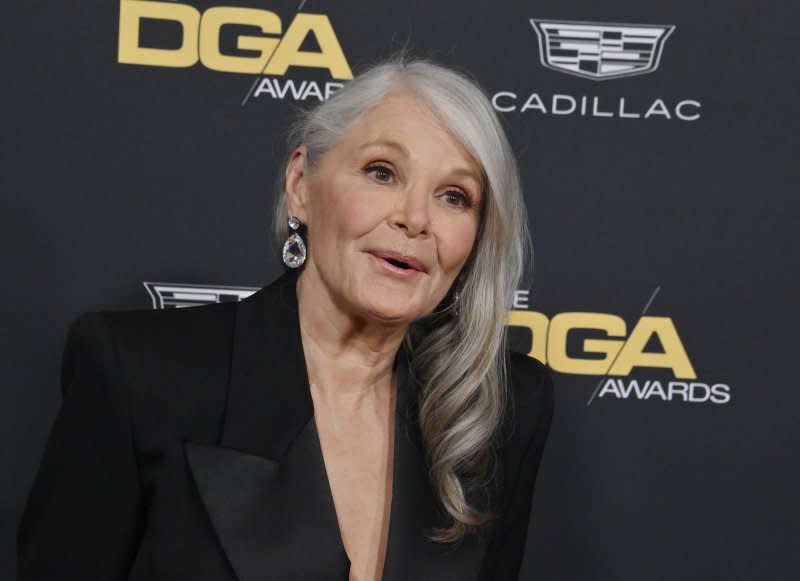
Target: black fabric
point(186, 448)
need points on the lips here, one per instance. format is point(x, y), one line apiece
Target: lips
point(400, 260)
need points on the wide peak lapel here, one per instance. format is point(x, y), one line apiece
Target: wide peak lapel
point(235, 488)
point(269, 516)
point(269, 401)
point(264, 486)
point(415, 507)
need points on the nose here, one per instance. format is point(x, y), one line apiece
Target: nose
point(412, 212)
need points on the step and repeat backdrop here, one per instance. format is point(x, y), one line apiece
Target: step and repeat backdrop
point(657, 144)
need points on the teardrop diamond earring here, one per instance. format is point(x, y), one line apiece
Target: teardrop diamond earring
point(294, 249)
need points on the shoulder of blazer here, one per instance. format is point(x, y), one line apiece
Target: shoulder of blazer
point(173, 362)
point(526, 425)
point(530, 396)
point(172, 341)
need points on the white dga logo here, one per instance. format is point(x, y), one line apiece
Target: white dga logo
point(173, 296)
point(600, 50)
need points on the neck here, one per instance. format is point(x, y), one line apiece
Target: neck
point(349, 359)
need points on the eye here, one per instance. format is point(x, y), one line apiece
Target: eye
point(380, 172)
point(457, 198)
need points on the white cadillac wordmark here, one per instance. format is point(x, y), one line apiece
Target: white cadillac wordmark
point(594, 106)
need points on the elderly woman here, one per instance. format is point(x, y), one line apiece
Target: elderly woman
point(359, 418)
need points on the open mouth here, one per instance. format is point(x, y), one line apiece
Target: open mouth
point(398, 263)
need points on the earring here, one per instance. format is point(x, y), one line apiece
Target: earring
point(456, 304)
point(294, 249)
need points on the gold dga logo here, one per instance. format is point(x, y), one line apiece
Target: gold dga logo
point(273, 53)
point(617, 354)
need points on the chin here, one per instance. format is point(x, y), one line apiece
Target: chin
point(390, 314)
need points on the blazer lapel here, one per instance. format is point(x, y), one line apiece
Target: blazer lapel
point(415, 507)
point(264, 486)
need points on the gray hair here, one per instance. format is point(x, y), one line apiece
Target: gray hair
point(459, 359)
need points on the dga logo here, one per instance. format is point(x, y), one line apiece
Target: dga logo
point(174, 296)
point(234, 39)
point(600, 51)
point(616, 354)
point(603, 346)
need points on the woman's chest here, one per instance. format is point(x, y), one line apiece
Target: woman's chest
point(358, 457)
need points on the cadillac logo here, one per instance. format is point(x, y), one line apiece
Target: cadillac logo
point(599, 50)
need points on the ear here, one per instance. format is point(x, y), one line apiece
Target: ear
point(296, 180)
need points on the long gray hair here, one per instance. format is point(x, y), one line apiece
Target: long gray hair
point(458, 358)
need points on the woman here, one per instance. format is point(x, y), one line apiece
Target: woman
point(358, 418)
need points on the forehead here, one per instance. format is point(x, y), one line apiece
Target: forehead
point(404, 119)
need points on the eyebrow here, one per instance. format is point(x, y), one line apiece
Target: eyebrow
point(387, 143)
point(469, 174)
point(458, 172)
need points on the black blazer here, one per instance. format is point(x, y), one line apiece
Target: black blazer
point(186, 449)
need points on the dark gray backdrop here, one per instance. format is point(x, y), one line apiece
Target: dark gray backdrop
point(115, 174)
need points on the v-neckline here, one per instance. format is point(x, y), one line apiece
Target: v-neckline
point(400, 371)
point(386, 530)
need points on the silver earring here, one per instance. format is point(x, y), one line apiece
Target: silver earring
point(294, 249)
point(456, 303)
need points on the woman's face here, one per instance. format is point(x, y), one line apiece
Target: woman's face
point(392, 212)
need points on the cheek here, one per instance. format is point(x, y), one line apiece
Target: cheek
point(346, 211)
point(358, 211)
point(358, 204)
point(455, 243)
